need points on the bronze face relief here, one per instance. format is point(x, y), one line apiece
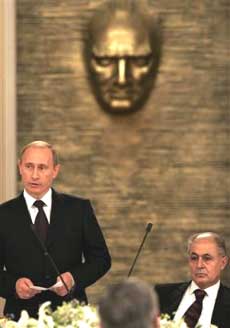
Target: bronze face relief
point(122, 55)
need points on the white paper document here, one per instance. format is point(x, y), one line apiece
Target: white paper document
point(58, 284)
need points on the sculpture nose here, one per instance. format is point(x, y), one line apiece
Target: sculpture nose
point(121, 71)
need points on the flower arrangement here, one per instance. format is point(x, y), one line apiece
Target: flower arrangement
point(166, 322)
point(69, 315)
point(72, 315)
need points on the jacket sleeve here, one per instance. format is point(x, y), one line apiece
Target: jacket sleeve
point(96, 258)
point(7, 280)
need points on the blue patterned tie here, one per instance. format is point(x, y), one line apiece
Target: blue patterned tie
point(41, 223)
point(193, 313)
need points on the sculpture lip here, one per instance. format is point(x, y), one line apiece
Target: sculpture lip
point(120, 96)
point(120, 93)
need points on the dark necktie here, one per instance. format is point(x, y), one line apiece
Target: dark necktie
point(41, 223)
point(193, 313)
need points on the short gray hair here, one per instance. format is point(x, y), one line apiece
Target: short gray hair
point(218, 239)
point(40, 144)
point(130, 304)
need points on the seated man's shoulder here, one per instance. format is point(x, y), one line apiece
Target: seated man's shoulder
point(170, 287)
point(226, 288)
point(226, 292)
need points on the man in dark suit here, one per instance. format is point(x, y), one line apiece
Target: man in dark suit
point(207, 259)
point(72, 238)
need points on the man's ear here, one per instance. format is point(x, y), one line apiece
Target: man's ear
point(225, 261)
point(156, 321)
point(56, 170)
point(19, 166)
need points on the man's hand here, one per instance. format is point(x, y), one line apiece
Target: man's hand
point(24, 290)
point(68, 279)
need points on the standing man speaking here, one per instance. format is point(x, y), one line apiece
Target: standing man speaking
point(40, 221)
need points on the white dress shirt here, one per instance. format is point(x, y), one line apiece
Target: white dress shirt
point(208, 303)
point(33, 210)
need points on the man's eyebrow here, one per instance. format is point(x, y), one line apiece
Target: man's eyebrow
point(205, 254)
point(38, 164)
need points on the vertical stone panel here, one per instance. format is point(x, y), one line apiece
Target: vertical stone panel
point(167, 163)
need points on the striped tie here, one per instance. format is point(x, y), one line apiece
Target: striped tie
point(192, 315)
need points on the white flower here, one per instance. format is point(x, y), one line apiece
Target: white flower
point(73, 315)
point(44, 318)
point(167, 323)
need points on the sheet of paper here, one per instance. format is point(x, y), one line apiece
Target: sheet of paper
point(58, 284)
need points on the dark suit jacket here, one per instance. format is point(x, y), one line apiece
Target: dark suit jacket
point(73, 231)
point(170, 296)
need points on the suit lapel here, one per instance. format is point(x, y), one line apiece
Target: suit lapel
point(222, 306)
point(176, 297)
point(22, 210)
point(56, 217)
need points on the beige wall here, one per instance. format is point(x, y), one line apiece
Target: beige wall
point(7, 100)
point(7, 103)
point(173, 168)
point(167, 163)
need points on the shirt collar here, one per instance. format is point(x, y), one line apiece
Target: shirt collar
point(210, 291)
point(47, 198)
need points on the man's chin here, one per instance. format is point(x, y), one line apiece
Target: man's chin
point(201, 280)
point(34, 191)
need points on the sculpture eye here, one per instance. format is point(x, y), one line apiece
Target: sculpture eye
point(142, 61)
point(103, 61)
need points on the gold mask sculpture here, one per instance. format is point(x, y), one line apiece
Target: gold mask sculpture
point(122, 54)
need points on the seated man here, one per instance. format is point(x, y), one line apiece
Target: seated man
point(129, 304)
point(204, 300)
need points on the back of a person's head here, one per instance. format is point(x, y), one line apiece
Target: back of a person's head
point(129, 304)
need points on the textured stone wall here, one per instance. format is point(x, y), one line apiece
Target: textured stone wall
point(168, 163)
